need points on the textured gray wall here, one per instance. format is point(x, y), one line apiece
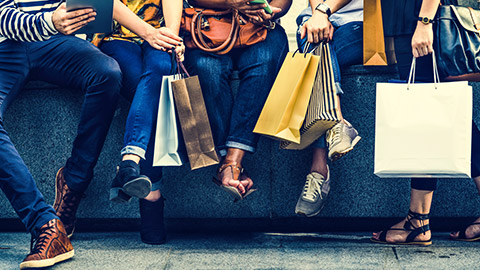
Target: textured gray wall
point(42, 123)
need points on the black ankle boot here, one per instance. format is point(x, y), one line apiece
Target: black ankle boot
point(152, 229)
point(129, 183)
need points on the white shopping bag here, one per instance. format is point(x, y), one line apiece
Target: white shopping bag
point(166, 135)
point(423, 129)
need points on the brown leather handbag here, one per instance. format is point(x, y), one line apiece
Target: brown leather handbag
point(219, 31)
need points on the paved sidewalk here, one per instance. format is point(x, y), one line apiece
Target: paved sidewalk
point(249, 251)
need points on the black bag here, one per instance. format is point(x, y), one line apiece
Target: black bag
point(457, 40)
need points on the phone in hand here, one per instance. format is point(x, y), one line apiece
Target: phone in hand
point(266, 8)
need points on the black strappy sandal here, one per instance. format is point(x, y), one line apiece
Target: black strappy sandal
point(408, 226)
point(463, 237)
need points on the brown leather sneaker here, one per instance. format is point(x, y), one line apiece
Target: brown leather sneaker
point(51, 246)
point(66, 203)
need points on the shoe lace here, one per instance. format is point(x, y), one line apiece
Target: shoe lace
point(312, 188)
point(70, 205)
point(334, 136)
point(37, 244)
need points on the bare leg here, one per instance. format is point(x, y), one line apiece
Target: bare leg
point(473, 230)
point(319, 161)
point(420, 202)
point(131, 157)
point(153, 196)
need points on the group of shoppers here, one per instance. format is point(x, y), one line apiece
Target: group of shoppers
point(36, 42)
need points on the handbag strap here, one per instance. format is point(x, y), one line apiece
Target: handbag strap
point(196, 31)
point(476, 25)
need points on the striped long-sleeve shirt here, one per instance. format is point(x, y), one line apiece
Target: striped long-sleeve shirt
point(27, 20)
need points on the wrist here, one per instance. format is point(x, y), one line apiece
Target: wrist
point(425, 20)
point(148, 33)
point(175, 29)
point(48, 16)
point(424, 26)
point(323, 8)
point(318, 13)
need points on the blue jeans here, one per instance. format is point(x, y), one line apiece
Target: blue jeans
point(69, 62)
point(143, 68)
point(347, 50)
point(232, 120)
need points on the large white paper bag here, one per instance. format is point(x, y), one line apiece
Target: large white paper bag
point(166, 135)
point(423, 130)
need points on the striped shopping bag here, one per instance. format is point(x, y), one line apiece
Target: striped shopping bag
point(323, 108)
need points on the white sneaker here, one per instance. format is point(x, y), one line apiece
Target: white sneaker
point(314, 194)
point(341, 139)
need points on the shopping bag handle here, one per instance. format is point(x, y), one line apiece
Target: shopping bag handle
point(306, 46)
point(181, 69)
point(411, 77)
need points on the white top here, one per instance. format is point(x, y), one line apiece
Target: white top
point(352, 12)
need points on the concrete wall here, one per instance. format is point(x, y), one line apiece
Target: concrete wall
point(42, 123)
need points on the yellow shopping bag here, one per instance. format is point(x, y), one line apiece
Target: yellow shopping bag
point(284, 111)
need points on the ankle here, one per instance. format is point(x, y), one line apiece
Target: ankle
point(418, 220)
point(131, 157)
point(153, 196)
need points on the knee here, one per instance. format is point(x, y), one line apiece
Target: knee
point(161, 68)
point(111, 73)
point(108, 76)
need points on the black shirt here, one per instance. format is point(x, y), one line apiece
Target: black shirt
point(400, 16)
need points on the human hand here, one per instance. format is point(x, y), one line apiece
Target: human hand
point(422, 40)
point(259, 16)
point(244, 6)
point(68, 22)
point(317, 29)
point(163, 39)
point(180, 52)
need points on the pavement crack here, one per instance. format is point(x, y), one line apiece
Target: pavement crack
point(394, 249)
point(167, 259)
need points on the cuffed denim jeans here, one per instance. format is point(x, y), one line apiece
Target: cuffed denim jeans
point(346, 50)
point(233, 120)
point(143, 68)
point(70, 62)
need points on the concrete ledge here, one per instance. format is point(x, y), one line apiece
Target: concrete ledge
point(42, 123)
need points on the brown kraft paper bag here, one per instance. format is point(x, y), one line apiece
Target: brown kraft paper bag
point(377, 50)
point(194, 122)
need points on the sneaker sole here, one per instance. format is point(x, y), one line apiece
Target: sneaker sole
point(300, 212)
point(117, 195)
point(139, 187)
point(337, 155)
point(47, 262)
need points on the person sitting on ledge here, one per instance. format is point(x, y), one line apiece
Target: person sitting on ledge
point(341, 24)
point(143, 64)
point(36, 42)
point(233, 119)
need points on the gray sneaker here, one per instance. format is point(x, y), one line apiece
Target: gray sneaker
point(314, 194)
point(341, 139)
